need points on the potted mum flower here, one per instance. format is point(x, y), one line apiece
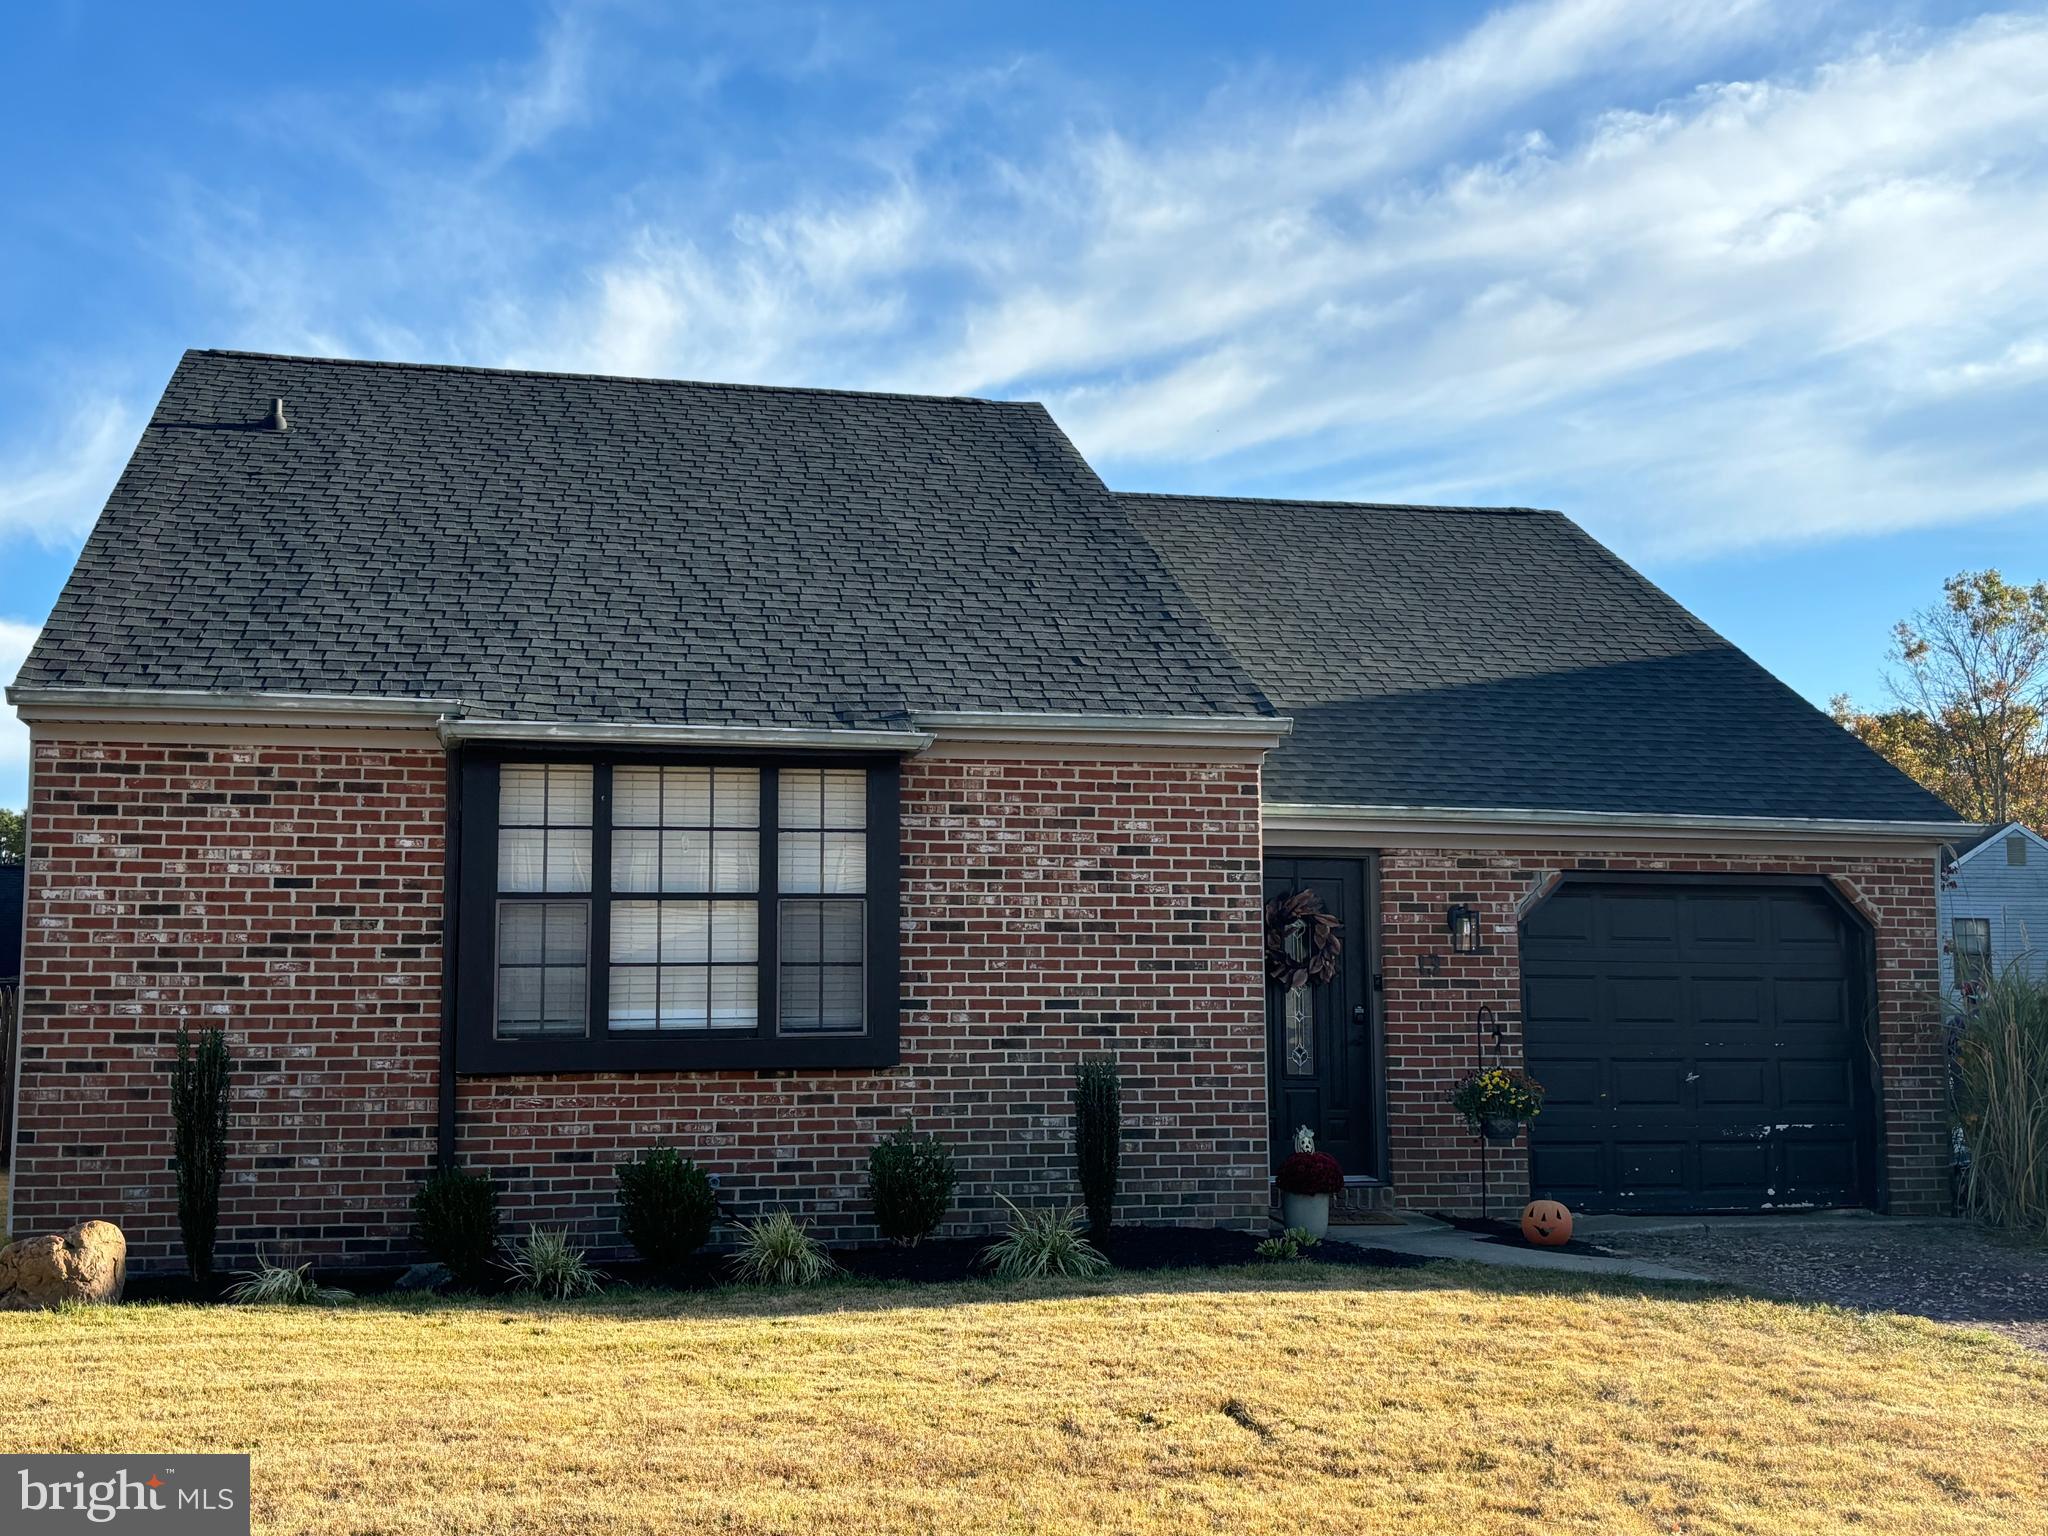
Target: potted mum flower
point(1307, 1180)
point(1498, 1101)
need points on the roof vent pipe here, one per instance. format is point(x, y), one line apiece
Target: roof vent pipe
point(277, 421)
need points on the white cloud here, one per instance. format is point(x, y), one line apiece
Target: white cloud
point(1871, 221)
point(787, 298)
point(52, 494)
point(1588, 253)
point(549, 96)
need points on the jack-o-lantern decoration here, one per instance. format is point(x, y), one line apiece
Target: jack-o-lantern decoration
point(1546, 1224)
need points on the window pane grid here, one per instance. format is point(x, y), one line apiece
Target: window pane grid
point(680, 940)
point(684, 965)
point(686, 829)
point(543, 969)
point(822, 817)
point(822, 976)
point(544, 827)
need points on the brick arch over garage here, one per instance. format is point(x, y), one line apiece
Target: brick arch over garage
point(1435, 1162)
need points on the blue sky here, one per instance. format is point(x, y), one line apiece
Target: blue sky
point(1756, 292)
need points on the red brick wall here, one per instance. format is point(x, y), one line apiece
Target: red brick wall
point(1430, 1018)
point(289, 895)
point(293, 896)
point(1049, 910)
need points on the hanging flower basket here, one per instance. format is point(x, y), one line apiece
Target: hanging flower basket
point(1498, 1102)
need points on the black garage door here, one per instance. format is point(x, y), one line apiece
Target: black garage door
point(1702, 1045)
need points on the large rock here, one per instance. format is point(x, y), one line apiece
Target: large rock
point(88, 1263)
point(425, 1277)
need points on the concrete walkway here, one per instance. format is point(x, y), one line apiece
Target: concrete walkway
point(1431, 1239)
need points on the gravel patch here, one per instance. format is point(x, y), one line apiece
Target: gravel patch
point(1949, 1271)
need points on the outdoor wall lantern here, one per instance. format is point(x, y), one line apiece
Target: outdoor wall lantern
point(1463, 923)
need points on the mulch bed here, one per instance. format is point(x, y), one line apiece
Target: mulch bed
point(1509, 1234)
point(1129, 1248)
point(938, 1261)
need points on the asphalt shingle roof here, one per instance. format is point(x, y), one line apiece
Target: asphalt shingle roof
point(567, 547)
point(550, 546)
point(1500, 658)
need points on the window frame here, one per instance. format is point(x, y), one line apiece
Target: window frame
point(473, 825)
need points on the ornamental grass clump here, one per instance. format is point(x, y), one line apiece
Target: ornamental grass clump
point(2001, 1090)
point(548, 1264)
point(776, 1250)
point(276, 1285)
point(456, 1216)
point(910, 1185)
point(666, 1206)
point(1044, 1241)
point(1497, 1093)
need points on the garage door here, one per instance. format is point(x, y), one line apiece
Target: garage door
point(1702, 1045)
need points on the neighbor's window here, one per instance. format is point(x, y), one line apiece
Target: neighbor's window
point(2016, 849)
point(1970, 939)
point(654, 913)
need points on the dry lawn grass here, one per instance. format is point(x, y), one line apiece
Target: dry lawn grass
point(1297, 1399)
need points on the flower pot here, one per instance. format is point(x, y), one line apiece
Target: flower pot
point(1500, 1129)
point(1309, 1212)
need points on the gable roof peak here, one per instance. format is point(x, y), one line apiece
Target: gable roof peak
point(557, 546)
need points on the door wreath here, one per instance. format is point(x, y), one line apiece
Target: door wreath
point(1303, 942)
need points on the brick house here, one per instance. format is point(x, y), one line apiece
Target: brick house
point(525, 769)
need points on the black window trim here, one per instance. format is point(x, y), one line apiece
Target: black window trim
point(478, 1050)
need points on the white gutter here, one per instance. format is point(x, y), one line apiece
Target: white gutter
point(196, 706)
point(205, 706)
point(598, 733)
point(1300, 818)
point(1247, 732)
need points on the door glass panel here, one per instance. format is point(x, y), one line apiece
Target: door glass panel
point(1301, 1033)
point(1301, 1011)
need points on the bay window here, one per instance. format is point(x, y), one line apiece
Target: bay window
point(636, 910)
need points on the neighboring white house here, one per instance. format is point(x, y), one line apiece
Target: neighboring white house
point(1994, 904)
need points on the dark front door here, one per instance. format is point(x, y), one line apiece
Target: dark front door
point(1319, 1038)
point(1702, 1046)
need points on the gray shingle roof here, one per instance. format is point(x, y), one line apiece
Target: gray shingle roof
point(550, 546)
point(1500, 658)
point(567, 547)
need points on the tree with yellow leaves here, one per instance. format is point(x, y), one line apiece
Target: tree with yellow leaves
point(1969, 682)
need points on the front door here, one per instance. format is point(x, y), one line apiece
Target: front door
point(1319, 1038)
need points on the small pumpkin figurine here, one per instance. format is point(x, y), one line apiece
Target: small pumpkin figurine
point(1546, 1224)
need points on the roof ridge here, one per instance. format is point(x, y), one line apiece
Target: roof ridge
point(609, 378)
point(1360, 506)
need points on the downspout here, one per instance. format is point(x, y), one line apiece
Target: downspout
point(444, 1152)
point(13, 1086)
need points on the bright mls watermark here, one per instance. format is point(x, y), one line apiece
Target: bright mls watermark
point(164, 1495)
